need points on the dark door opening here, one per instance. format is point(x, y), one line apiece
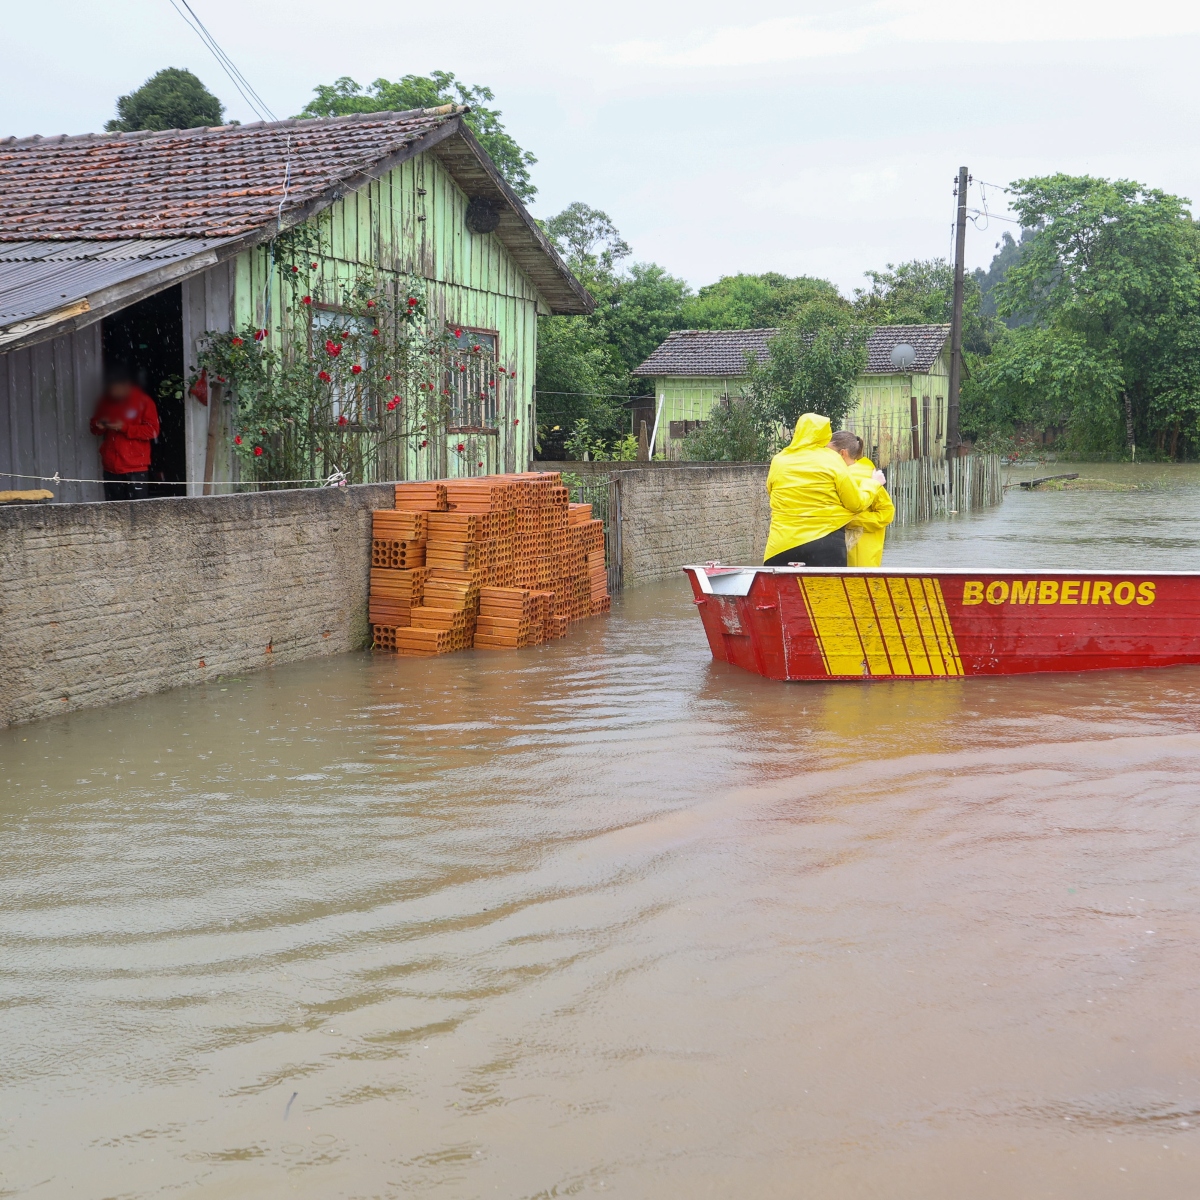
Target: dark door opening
point(146, 340)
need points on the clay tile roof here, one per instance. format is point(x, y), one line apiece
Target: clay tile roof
point(707, 352)
point(723, 351)
point(211, 183)
point(926, 340)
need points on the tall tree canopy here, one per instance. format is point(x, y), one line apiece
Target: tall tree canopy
point(813, 363)
point(754, 301)
point(584, 363)
point(1111, 277)
point(172, 99)
point(345, 96)
point(921, 292)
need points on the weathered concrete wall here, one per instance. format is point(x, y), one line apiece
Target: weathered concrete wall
point(691, 513)
point(104, 602)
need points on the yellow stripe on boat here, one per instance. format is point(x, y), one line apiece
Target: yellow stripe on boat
point(867, 625)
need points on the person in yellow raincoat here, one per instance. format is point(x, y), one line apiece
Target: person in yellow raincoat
point(813, 498)
point(865, 534)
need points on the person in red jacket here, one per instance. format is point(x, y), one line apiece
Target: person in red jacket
point(128, 421)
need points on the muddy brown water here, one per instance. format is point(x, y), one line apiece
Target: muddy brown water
point(606, 917)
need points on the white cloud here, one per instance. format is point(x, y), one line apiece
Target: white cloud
point(892, 22)
point(784, 39)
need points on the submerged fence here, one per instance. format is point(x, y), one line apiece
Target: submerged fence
point(603, 493)
point(923, 488)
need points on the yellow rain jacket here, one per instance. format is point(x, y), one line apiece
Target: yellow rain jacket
point(873, 521)
point(811, 489)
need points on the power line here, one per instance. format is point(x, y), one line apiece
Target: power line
point(257, 104)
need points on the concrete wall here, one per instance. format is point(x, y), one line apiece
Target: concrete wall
point(690, 513)
point(104, 602)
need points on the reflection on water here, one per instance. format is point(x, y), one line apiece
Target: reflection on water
point(606, 916)
point(1155, 527)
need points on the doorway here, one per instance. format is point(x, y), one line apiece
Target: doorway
point(145, 340)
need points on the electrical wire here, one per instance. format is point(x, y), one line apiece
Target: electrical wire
point(257, 104)
point(606, 395)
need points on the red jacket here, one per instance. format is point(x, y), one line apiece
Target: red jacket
point(126, 451)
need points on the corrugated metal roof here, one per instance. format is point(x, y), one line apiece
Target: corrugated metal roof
point(722, 352)
point(40, 279)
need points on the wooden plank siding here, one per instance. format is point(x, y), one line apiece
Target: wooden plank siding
point(392, 229)
point(47, 395)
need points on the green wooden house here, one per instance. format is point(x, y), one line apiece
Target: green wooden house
point(899, 414)
point(131, 247)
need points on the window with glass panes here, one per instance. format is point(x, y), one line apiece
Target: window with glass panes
point(472, 381)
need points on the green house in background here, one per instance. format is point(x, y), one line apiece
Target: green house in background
point(128, 248)
point(899, 414)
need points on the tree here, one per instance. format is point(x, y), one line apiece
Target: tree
point(1009, 253)
point(742, 429)
point(921, 292)
point(754, 301)
point(585, 363)
point(1113, 272)
point(172, 99)
point(344, 96)
point(586, 237)
point(812, 365)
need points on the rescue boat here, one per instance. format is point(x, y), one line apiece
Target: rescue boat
point(879, 623)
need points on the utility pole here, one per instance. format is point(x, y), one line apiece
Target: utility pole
point(953, 437)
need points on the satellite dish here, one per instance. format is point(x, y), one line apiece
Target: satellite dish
point(903, 356)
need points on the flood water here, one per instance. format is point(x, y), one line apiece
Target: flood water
point(606, 917)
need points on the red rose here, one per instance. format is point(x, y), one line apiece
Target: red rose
point(391, 404)
point(356, 369)
point(460, 447)
point(516, 422)
point(462, 366)
point(262, 333)
point(479, 464)
point(491, 383)
point(295, 270)
point(258, 452)
point(313, 265)
point(474, 349)
point(221, 379)
point(413, 302)
point(458, 333)
point(342, 420)
point(237, 341)
point(331, 347)
point(388, 378)
point(446, 392)
point(323, 376)
point(370, 303)
point(345, 334)
point(305, 299)
point(237, 441)
point(424, 444)
point(374, 332)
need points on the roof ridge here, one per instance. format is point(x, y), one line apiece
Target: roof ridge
point(138, 135)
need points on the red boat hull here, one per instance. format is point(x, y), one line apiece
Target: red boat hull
point(808, 623)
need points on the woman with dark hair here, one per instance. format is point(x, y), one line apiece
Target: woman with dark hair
point(813, 498)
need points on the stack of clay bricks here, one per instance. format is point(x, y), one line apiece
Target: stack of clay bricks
point(500, 561)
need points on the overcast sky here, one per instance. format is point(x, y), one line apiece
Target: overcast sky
point(812, 137)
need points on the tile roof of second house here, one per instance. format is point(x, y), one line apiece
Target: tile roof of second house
point(209, 183)
point(707, 352)
point(723, 352)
